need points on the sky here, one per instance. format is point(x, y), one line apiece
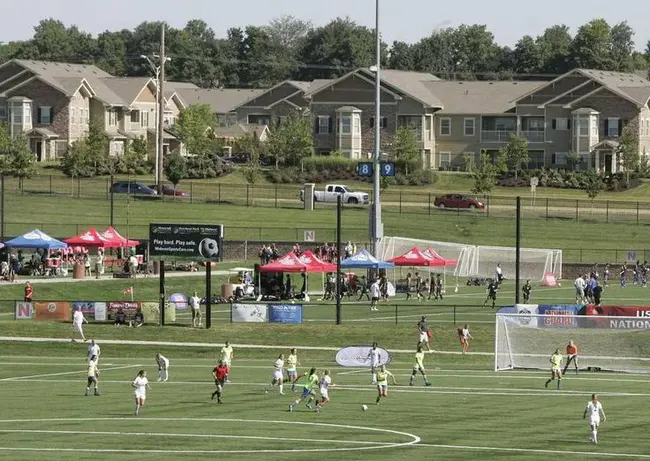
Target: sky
point(404, 20)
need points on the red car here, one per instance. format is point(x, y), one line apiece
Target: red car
point(168, 190)
point(459, 201)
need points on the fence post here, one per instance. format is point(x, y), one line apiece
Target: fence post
point(219, 197)
point(429, 202)
point(50, 184)
point(247, 194)
point(487, 214)
point(276, 195)
point(607, 211)
point(637, 213)
point(191, 191)
point(396, 315)
point(546, 207)
point(455, 323)
point(577, 212)
point(400, 202)
point(78, 187)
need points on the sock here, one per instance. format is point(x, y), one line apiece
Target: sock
point(378, 398)
point(426, 380)
point(218, 396)
point(374, 377)
point(412, 379)
point(559, 384)
point(87, 390)
point(165, 375)
point(159, 374)
point(281, 388)
point(311, 399)
point(594, 436)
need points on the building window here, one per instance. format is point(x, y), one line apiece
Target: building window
point(559, 158)
point(561, 124)
point(470, 126)
point(117, 148)
point(45, 115)
point(445, 160)
point(583, 126)
point(346, 125)
point(356, 124)
point(323, 124)
point(3, 113)
point(112, 117)
point(445, 127)
point(144, 119)
point(135, 116)
point(384, 122)
point(28, 113)
point(414, 124)
point(535, 159)
point(612, 127)
point(259, 120)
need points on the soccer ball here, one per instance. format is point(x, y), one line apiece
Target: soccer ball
point(209, 248)
point(364, 407)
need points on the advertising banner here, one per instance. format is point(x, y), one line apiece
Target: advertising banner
point(100, 312)
point(52, 311)
point(186, 241)
point(250, 313)
point(559, 315)
point(285, 313)
point(128, 307)
point(359, 356)
point(640, 322)
point(87, 307)
point(525, 315)
point(24, 311)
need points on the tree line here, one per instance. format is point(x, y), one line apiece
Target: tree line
point(288, 47)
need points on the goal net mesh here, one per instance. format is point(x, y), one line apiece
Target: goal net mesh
point(620, 344)
point(390, 247)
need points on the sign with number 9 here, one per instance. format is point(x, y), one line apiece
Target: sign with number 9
point(387, 169)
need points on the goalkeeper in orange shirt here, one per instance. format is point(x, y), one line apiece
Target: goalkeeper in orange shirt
point(571, 356)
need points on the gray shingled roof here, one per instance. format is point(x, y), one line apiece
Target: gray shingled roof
point(478, 97)
point(317, 85)
point(222, 101)
point(61, 69)
point(181, 85)
point(628, 85)
point(126, 88)
point(239, 130)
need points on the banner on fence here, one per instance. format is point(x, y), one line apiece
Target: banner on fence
point(186, 241)
point(526, 313)
point(24, 311)
point(559, 315)
point(249, 313)
point(52, 311)
point(642, 314)
point(128, 307)
point(359, 356)
point(285, 313)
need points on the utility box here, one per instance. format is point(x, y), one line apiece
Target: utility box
point(308, 196)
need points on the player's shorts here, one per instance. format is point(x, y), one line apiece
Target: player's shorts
point(277, 375)
point(140, 395)
point(91, 380)
point(418, 368)
point(580, 292)
point(306, 392)
point(424, 338)
point(324, 394)
point(383, 388)
point(555, 370)
point(594, 422)
point(77, 326)
point(462, 340)
point(374, 300)
point(219, 382)
point(292, 373)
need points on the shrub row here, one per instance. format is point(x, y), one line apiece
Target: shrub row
point(564, 179)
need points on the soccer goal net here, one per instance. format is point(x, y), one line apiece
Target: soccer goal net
point(535, 262)
point(527, 341)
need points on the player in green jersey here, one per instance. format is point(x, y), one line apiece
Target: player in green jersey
point(307, 390)
point(419, 366)
point(556, 368)
point(382, 383)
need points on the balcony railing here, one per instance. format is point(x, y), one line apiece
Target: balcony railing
point(497, 136)
point(533, 136)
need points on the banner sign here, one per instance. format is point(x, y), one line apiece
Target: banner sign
point(249, 313)
point(642, 313)
point(186, 241)
point(100, 312)
point(87, 307)
point(525, 315)
point(24, 311)
point(559, 315)
point(52, 311)
point(359, 356)
point(128, 307)
point(285, 313)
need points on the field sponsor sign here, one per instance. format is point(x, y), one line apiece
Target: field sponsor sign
point(559, 315)
point(525, 315)
point(128, 307)
point(285, 313)
point(92, 310)
point(24, 311)
point(186, 241)
point(359, 356)
point(52, 311)
point(637, 317)
point(249, 313)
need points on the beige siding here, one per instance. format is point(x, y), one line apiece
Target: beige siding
point(544, 94)
point(351, 91)
point(644, 131)
point(271, 96)
point(146, 96)
point(79, 115)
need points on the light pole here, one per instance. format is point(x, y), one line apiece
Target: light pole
point(377, 227)
point(157, 114)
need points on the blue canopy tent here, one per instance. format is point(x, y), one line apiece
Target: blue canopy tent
point(36, 239)
point(364, 260)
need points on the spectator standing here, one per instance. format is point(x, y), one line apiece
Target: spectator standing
point(623, 275)
point(408, 286)
point(598, 291)
point(29, 292)
point(526, 291)
point(363, 285)
point(580, 284)
point(195, 305)
point(375, 294)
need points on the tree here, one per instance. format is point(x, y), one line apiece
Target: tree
point(405, 147)
point(469, 163)
point(134, 160)
point(573, 159)
point(554, 46)
point(515, 153)
point(628, 150)
point(252, 171)
point(175, 168)
point(593, 185)
point(97, 143)
point(195, 127)
point(527, 56)
point(592, 46)
point(622, 37)
point(21, 162)
point(485, 175)
point(402, 56)
point(292, 141)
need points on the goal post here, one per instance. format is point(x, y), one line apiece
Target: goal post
point(526, 341)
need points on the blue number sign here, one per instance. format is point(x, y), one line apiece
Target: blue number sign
point(387, 168)
point(364, 169)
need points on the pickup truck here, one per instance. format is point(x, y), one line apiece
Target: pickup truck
point(332, 191)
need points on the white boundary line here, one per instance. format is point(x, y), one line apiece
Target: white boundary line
point(378, 446)
point(591, 454)
point(27, 378)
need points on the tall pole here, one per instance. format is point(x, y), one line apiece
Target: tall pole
point(2, 207)
point(157, 114)
point(518, 250)
point(161, 108)
point(377, 230)
point(339, 207)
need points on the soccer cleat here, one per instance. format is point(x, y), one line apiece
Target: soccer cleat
point(546, 384)
point(309, 406)
point(291, 407)
point(427, 384)
point(219, 401)
point(96, 393)
point(281, 393)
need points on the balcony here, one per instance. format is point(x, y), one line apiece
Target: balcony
point(533, 135)
point(497, 136)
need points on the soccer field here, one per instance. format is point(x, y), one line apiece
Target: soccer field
point(468, 412)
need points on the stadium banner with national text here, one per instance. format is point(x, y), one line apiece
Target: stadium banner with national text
point(58, 311)
point(636, 317)
point(249, 313)
point(24, 311)
point(359, 356)
point(128, 307)
point(191, 242)
point(285, 313)
point(559, 315)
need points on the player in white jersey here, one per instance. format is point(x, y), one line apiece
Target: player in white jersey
point(278, 373)
point(325, 384)
point(94, 350)
point(163, 367)
point(292, 368)
point(140, 384)
point(594, 410)
point(78, 320)
point(226, 355)
point(374, 356)
point(93, 375)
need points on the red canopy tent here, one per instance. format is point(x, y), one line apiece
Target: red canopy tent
point(314, 264)
point(415, 258)
point(90, 238)
point(287, 263)
point(433, 254)
point(115, 240)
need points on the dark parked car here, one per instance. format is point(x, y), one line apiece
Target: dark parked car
point(132, 188)
point(459, 201)
point(169, 190)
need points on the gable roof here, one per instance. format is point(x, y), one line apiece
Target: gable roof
point(240, 129)
point(222, 101)
point(126, 89)
point(478, 97)
point(181, 85)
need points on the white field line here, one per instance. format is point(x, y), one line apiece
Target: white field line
point(205, 436)
point(20, 378)
point(590, 454)
point(472, 391)
point(354, 372)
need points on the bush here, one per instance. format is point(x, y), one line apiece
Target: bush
point(205, 166)
point(565, 179)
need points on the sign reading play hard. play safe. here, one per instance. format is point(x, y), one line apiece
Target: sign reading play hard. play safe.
point(186, 241)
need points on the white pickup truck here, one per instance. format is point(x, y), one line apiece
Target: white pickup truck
point(332, 191)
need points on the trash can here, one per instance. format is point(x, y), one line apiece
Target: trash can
point(78, 270)
point(227, 290)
